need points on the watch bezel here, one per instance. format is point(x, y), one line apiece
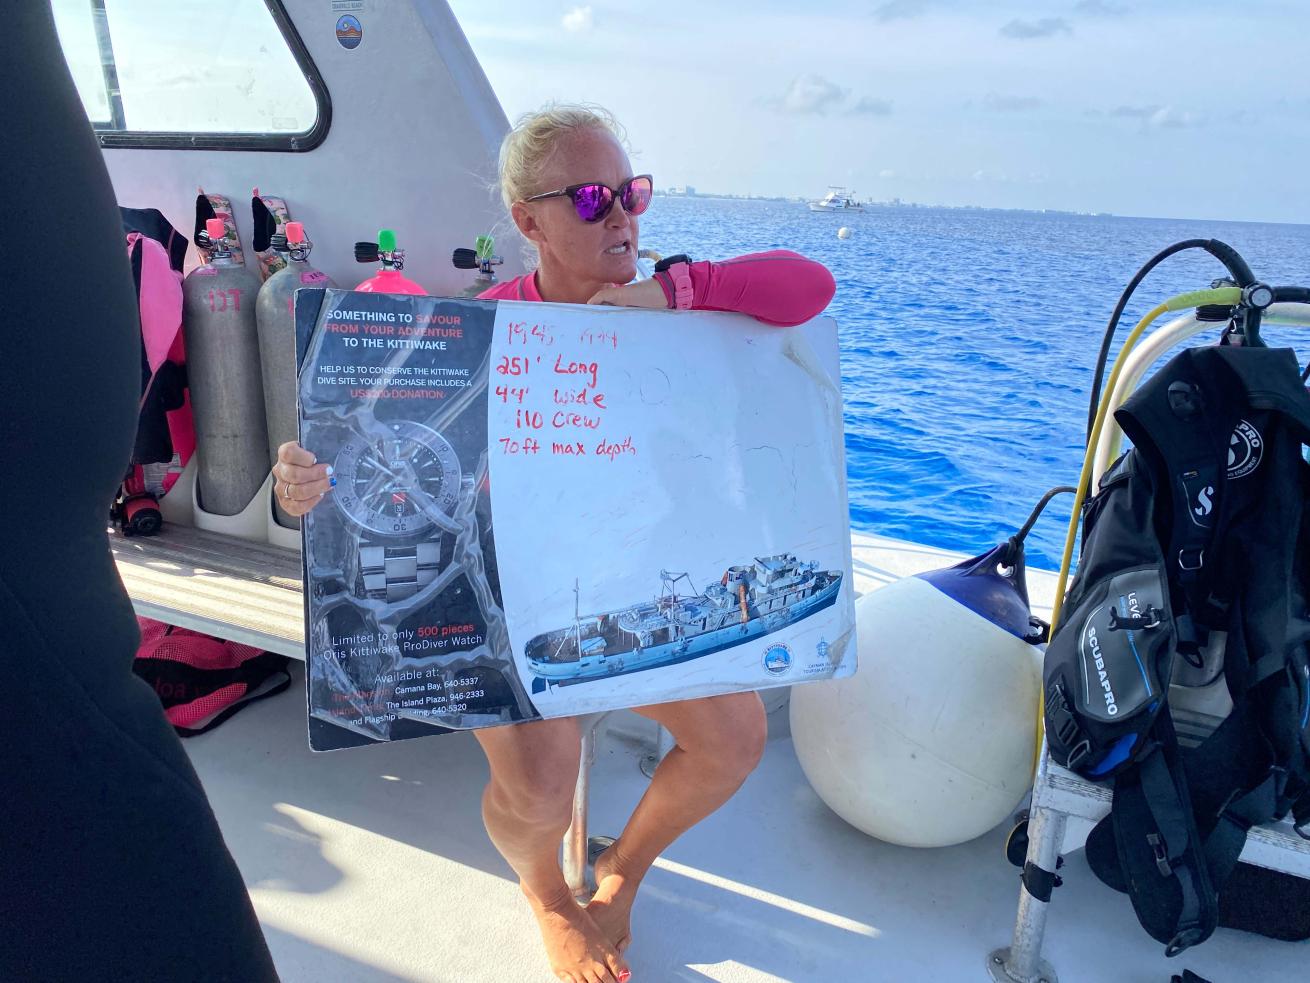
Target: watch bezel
point(352, 506)
point(663, 265)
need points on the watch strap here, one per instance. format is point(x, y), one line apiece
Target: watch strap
point(682, 287)
point(674, 275)
point(393, 573)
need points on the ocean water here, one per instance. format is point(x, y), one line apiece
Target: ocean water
point(968, 343)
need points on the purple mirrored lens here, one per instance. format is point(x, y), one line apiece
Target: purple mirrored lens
point(593, 202)
point(636, 196)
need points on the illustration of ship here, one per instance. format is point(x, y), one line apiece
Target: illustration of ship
point(749, 602)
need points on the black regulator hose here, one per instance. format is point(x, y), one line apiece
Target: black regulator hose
point(1226, 254)
point(1038, 630)
point(1015, 543)
point(1291, 295)
point(1022, 534)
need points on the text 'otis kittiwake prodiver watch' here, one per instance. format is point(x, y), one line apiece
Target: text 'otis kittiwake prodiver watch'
point(399, 485)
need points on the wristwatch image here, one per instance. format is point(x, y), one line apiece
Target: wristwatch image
point(398, 485)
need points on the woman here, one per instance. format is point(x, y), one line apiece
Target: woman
point(569, 187)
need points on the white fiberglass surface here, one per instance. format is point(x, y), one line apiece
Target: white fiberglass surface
point(372, 865)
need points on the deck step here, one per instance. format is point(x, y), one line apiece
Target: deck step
point(243, 591)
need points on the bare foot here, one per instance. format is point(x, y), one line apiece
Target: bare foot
point(577, 947)
point(611, 906)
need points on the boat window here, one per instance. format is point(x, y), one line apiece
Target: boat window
point(193, 74)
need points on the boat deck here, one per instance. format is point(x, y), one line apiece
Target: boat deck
point(372, 864)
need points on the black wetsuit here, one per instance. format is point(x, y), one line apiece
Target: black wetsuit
point(111, 863)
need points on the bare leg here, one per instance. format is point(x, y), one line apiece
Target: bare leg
point(527, 807)
point(719, 742)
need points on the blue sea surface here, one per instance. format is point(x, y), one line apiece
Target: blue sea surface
point(968, 341)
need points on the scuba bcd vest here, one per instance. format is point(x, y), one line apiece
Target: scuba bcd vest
point(1195, 563)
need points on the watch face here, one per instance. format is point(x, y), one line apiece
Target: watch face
point(396, 483)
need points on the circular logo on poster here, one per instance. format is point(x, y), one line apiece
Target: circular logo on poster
point(777, 659)
point(1245, 449)
point(349, 31)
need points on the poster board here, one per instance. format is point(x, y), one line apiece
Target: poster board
point(544, 510)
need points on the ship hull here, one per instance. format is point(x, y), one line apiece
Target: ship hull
point(633, 660)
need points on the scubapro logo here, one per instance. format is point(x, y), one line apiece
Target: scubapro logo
point(1103, 678)
point(1245, 448)
point(1204, 502)
point(777, 659)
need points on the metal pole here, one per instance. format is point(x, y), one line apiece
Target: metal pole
point(108, 66)
point(575, 839)
point(652, 758)
point(1022, 962)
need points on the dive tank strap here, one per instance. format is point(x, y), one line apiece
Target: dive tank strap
point(1185, 426)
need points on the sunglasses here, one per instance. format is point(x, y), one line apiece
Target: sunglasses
point(593, 200)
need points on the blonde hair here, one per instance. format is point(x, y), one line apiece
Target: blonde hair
point(535, 138)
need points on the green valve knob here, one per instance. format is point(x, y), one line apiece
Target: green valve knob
point(386, 241)
point(485, 247)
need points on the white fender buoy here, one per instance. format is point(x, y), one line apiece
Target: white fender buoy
point(931, 742)
point(844, 233)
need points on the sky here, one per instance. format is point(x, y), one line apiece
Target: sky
point(1170, 108)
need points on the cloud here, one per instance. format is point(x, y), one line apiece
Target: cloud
point(900, 10)
point(1292, 107)
point(1168, 118)
point(1005, 177)
point(1010, 104)
point(1100, 8)
point(578, 19)
point(887, 173)
point(869, 106)
point(812, 95)
point(1158, 117)
point(1025, 30)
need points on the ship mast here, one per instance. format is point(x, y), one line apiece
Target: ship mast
point(577, 622)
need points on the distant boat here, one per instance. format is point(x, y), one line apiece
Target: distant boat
point(836, 200)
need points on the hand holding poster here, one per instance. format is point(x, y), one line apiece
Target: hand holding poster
point(544, 510)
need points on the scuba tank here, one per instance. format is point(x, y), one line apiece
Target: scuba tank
point(389, 279)
point(275, 315)
point(481, 258)
point(222, 344)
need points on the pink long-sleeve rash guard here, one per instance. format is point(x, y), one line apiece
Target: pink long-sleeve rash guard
point(778, 287)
